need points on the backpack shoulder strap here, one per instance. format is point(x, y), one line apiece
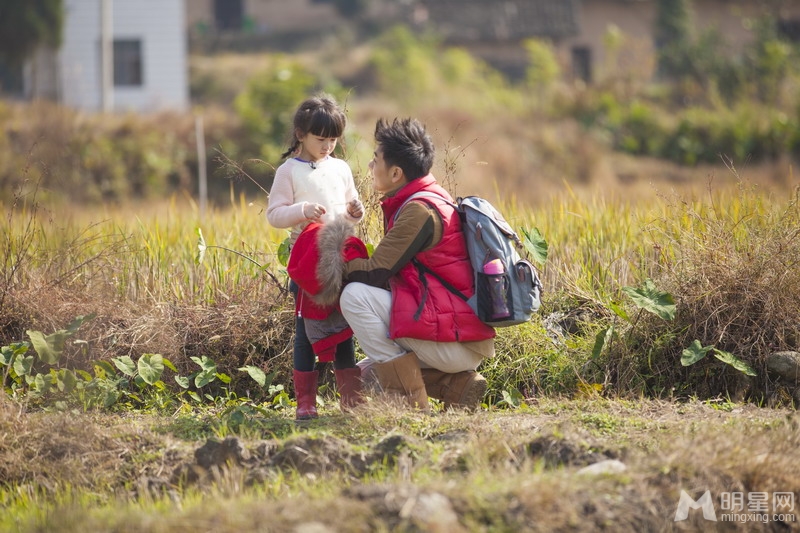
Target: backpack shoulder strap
point(420, 267)
point(422, 195)
point(424, 269)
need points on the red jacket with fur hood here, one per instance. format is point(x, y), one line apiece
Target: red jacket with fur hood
point(316, 264)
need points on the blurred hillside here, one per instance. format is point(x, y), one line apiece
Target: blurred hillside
point(522, 140)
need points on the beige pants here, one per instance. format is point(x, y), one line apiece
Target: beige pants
point(367, 310)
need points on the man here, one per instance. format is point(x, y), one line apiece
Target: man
point(420, 337)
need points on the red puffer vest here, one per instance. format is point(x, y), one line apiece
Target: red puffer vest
point(422, 308)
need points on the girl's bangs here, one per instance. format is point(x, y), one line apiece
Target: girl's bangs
point(326, 125)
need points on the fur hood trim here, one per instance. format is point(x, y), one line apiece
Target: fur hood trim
point(318, 258)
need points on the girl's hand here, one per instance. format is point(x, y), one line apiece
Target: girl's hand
point(313, 211)
point(355, 208)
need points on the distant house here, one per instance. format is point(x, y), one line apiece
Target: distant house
point(215, 25)
point(495, 31)
point(148, 59)
point(578, 28)
point(259, 16)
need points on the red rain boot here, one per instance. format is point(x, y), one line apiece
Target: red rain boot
point(305, 388)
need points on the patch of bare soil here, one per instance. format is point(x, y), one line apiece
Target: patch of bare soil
point(561, 465)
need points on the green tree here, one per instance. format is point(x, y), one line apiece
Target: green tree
point(769, 59)
point(542, 71)
point(673, 36)
point(26, 25)
point(405, 64)
point(267, 104)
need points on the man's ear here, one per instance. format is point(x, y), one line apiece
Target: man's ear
point(398, 176)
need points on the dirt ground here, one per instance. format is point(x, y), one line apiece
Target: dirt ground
point(560, 465)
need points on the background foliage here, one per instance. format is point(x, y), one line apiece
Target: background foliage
point(139, 275)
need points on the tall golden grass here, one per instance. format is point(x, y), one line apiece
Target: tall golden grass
point(137, 267)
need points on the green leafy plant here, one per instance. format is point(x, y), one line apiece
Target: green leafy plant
point(145, 375)
point(21, 372)
point(512, 399)
point(647, 298)
point(696, 352)
point(652, 300)
point(535, 244)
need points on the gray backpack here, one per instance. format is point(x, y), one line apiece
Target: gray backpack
point(507, 287)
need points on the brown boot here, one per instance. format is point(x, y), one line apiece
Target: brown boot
point(348, 381)
point(463, 390)
point(435, 382)
point(402, 377)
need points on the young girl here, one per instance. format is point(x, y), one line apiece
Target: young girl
point(313, 186)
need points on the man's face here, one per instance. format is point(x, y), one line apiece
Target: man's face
point(385, 178)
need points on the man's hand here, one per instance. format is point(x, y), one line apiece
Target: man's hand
point(313, 211)
point(355, 208)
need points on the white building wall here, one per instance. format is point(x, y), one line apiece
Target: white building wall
point(159, 24)
point(80, 55)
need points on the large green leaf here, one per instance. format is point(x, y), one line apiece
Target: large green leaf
point(205, 363)
point(75, 324)
point(204, 378)
point(283, 251)
point(601, 340)
point(23, 365)
point(12, 351)
point(151, 366)
point(652, 300)
point(695, 352)
point(112, 395)
point(66, 380)
point(43, 382)
point(256, 373)
point(208, 372)
point(535, 244)
point(735, 362)
point(49, 347)
point(183, 381)
point(168, 364)
point(125, 365)
point(619, 311)
point(104, 370)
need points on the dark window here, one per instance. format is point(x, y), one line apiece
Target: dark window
point(228, 14)
point(128, 63)
point(790, 29)
point(582, 63)
point(11, 79)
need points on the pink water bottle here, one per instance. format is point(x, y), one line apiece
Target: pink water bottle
point(495, 271)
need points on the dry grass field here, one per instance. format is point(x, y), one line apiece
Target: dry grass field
point(149, 416)
point(581, 464)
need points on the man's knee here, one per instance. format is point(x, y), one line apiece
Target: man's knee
point(349, 297)
point(360, 297)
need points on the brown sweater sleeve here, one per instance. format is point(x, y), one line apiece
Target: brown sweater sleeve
point(417, 228)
